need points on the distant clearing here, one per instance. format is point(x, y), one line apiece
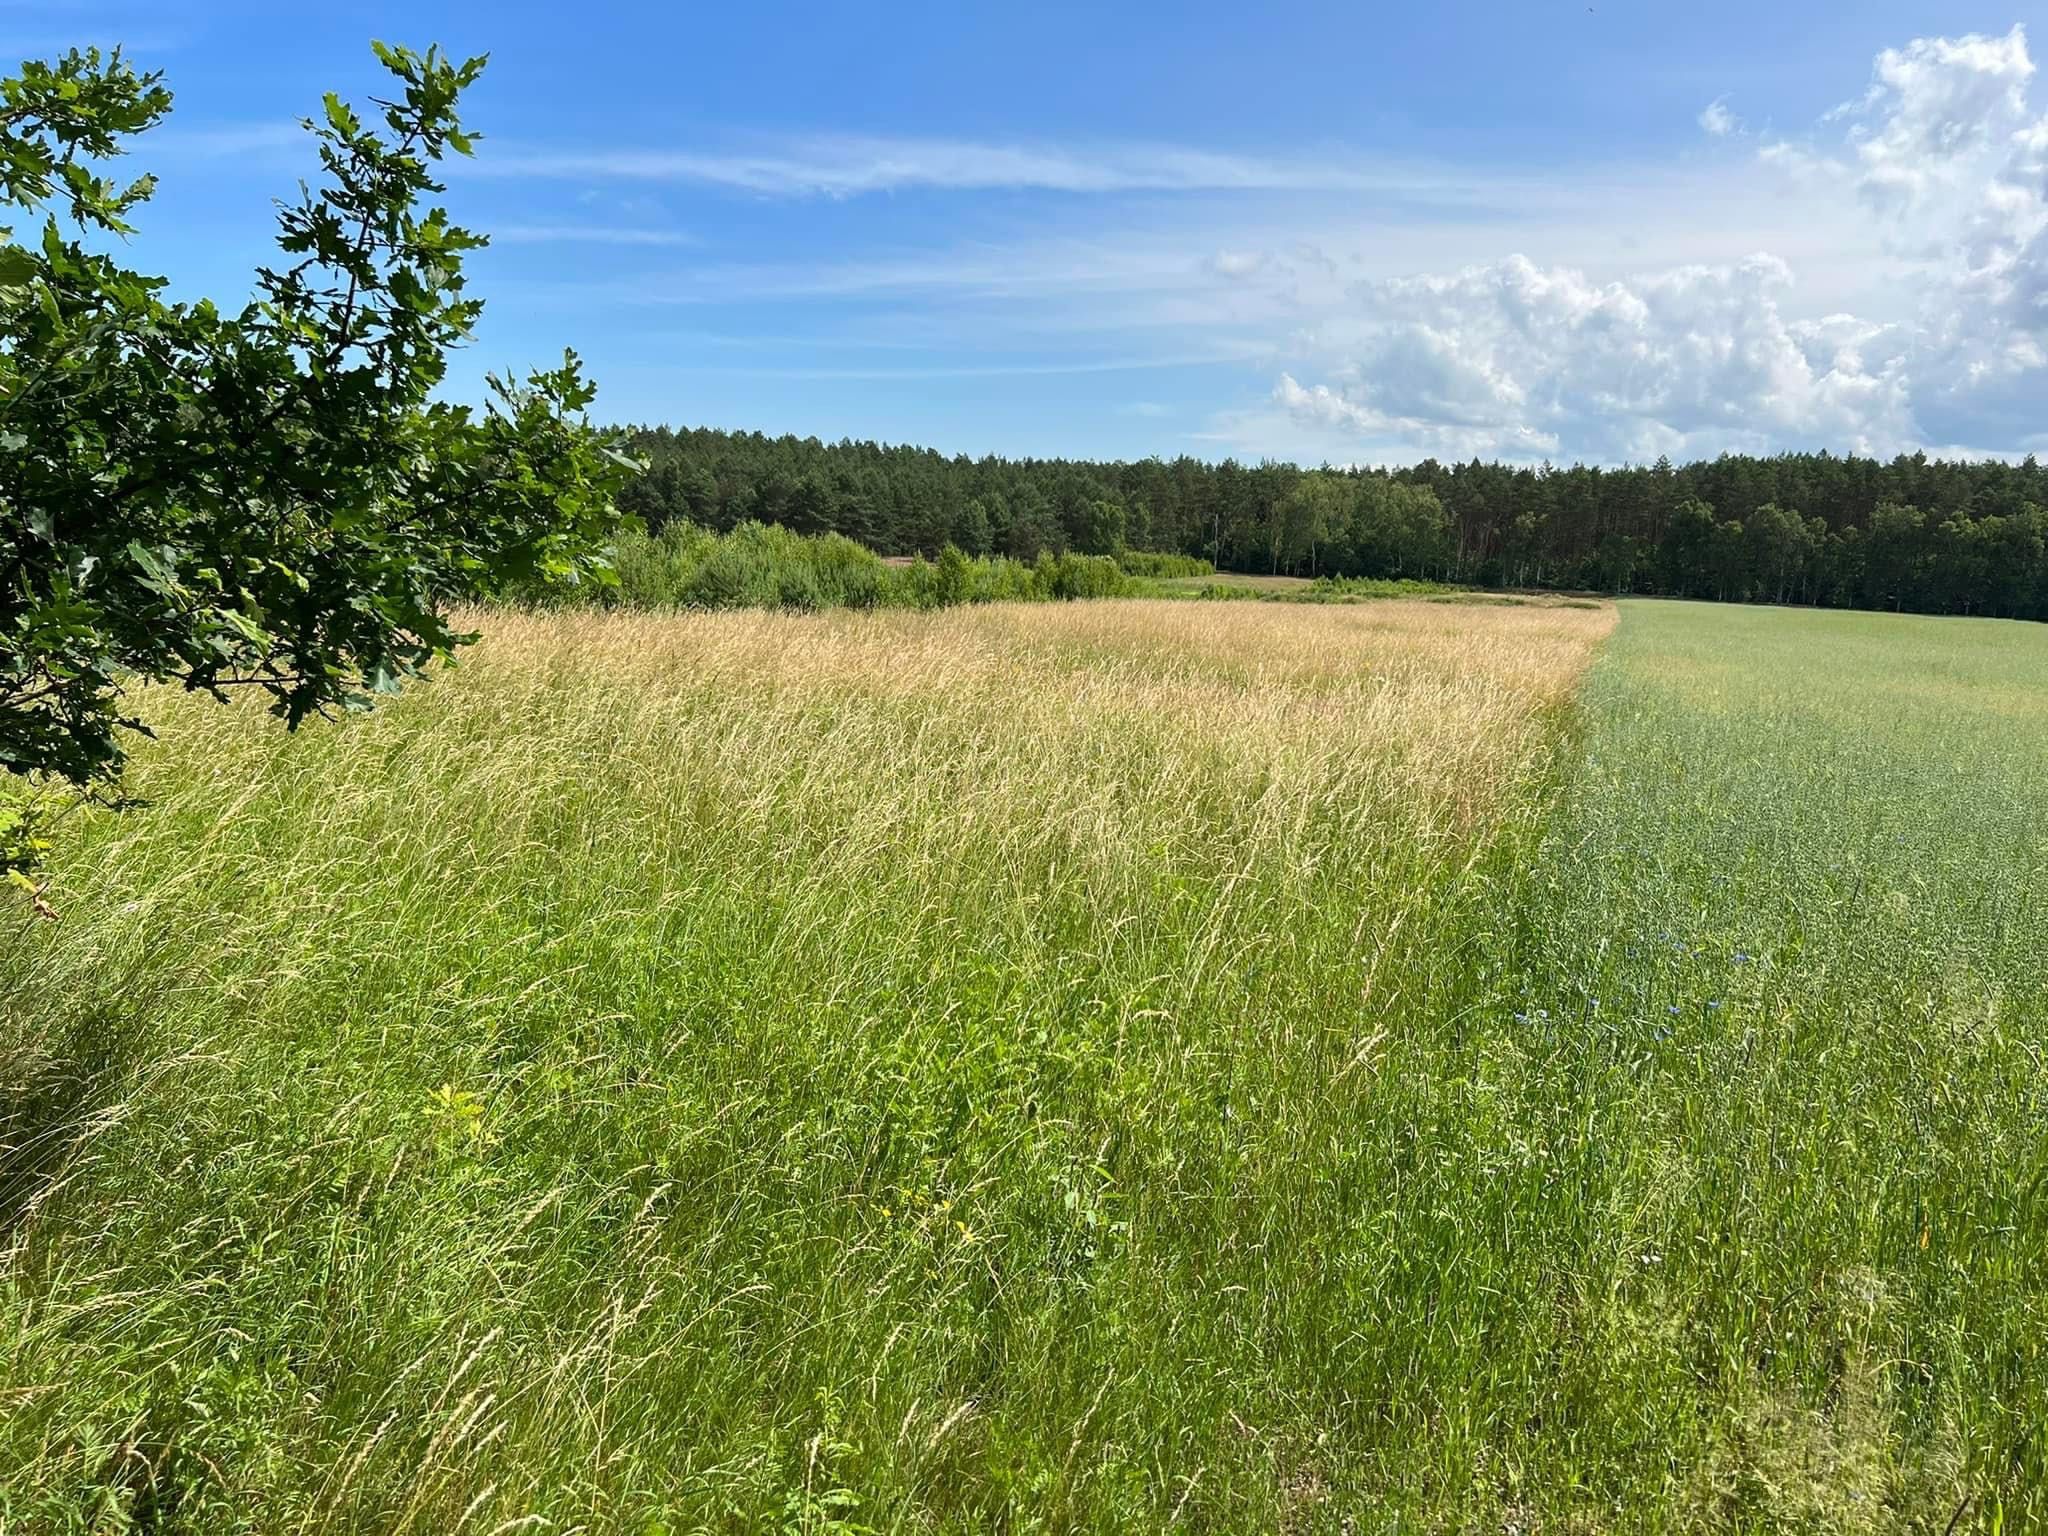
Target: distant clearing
point(1238, 579)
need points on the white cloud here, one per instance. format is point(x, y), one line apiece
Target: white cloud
point(1237, 263)
point(1949, 160)
point(1716, 119)
point(1934, 112)
point(1525, 361)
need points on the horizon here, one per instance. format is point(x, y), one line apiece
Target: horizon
point(1574, 234)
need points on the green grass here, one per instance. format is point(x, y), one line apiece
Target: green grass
point(694, 1072)
point(1113, 1066)
point(1775, 1098)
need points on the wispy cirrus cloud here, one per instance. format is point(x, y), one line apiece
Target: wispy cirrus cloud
point(589, 234)
point(1004, 369)
point(853, 166)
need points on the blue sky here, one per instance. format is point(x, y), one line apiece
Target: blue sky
point(1321, 232)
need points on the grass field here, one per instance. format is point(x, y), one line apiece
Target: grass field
point(1110, 1066)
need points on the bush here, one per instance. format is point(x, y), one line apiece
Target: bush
point(848, 575)
point(915, 585)
point(1079, 576)
point(654, 572)
point(954, 577)
point(1139, 562)
point(764, 565)
point(1005, 581)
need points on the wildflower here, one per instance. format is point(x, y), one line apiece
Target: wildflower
point(1715, 1003)
point(1742, 957)
point(1672, 1009)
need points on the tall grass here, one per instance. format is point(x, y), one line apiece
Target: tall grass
point(748, 1072)
point(1117, 1066)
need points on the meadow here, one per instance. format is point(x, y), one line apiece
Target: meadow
point(1121, 1065)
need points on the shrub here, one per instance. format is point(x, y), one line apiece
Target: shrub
point(848, 575)
point(759, 565)
point(953, 577)
point(915, 585)
point(1139, 562)
point(1079, 576)
point(653, 572)
point(765, 565)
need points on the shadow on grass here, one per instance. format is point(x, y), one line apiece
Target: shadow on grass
point(56, 1082)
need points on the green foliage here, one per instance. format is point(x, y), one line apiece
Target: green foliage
point(1083, 576)
point(759, 565)
point(654, 571)
point(272, 498)
point(1798, 528)
point(912, 585)
point(953, 580)
point(25, 817)
point(1138, 562)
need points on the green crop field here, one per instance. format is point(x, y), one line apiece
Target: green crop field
point(1130, 1065)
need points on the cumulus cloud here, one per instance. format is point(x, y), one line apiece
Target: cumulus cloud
point(1936, 110)
point(1526, 361)
point(1949, 158)
point(1716, 119)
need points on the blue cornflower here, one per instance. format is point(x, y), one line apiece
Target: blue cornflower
point(1742, 957)
point(1672, 1009)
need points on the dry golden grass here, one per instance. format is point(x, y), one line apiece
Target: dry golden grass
point(1104, 708)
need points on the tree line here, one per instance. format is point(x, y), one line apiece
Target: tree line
point(1911, 533)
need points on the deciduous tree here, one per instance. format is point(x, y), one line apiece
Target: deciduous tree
point(268, 498)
